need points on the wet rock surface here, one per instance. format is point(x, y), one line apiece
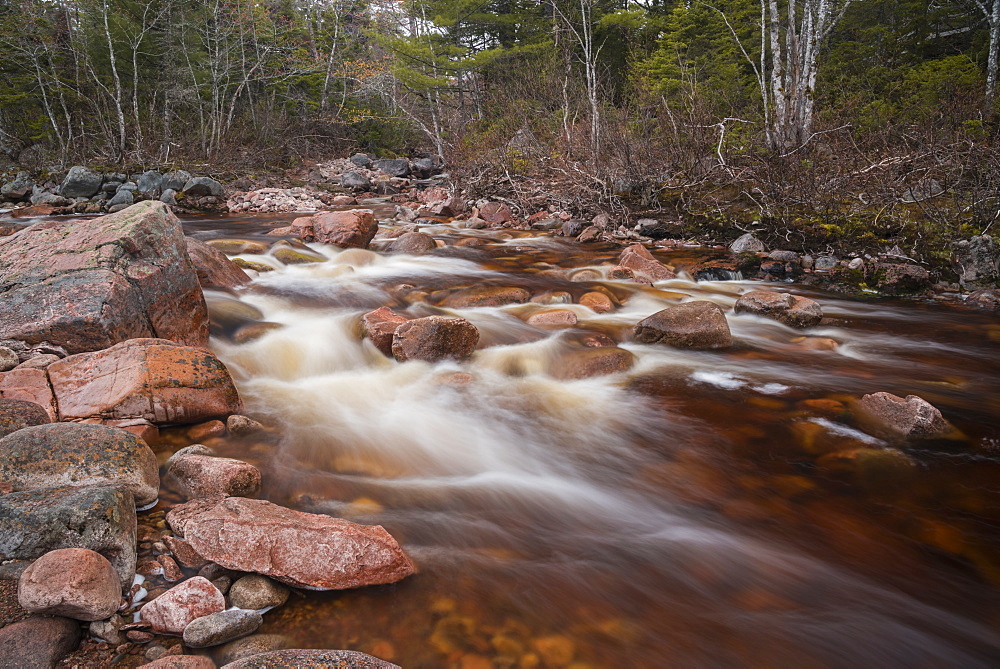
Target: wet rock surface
point(434, 338)
point(153, 379)
point(695, 325)
point(218, 628)
point(205, 476)
point(913, 416)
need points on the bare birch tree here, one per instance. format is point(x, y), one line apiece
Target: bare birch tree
point(785, 70)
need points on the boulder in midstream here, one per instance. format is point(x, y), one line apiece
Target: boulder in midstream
point(792, 310)
point(694, 325)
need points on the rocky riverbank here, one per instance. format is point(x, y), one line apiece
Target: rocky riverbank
point(424, 195)
point(104, 332)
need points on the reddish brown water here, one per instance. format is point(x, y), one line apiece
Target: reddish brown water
point(675, 515)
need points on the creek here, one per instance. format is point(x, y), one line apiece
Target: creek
point(673, 515)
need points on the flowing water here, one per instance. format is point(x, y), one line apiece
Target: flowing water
point(683, 513)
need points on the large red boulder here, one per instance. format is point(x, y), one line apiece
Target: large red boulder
point(435, 338)
point(87, 285)
point(353, 228)
point(304, 550)
point(153, 379)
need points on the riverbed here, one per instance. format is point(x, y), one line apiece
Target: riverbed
point(700, 509)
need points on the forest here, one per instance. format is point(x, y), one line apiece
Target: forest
point(830, 116)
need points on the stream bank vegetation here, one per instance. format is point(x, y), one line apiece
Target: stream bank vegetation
point(816, 124)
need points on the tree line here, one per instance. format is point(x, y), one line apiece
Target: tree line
point(774, 98)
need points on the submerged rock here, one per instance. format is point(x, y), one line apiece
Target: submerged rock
point(694, 325)
point(87, 285)
point(73, 582)
point(486, 296)
point(792, 310)
point(257, 592)
point(299, 549)
point(48, 456)
point(588, 362)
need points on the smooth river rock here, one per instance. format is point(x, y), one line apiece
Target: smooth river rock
point(218, 628)
point(435, 338)
point(299, 549)
point(72, 582)
point(101, 518)
point(38, 643)
point(257, 592)
point(152, 379)
point(792, 310)
point(87, 285)
point(694, 325)
point(295, 659)
point(75, 454)
point(486, 296)
point(205, 476)
point(175, 609)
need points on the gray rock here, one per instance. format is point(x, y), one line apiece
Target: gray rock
point(361, 160)
point(108, 630)
point(311, 658)
point(81, 182)
point(193, 449)
point(44, 197)
point(150, 183)
point(978, 262)
point(548, 224)
point(169, 197)
point(257, 592)
point(424, 167)
point(101, 518)
point(8, 359)
point(175, 180)
point(218, 628)
point(18, 414)
point(122, 197)
point(747, 244)
point(129, 186)
point(394, 167)
point(18, 189)
point(784, 256)
point(824, 263)
point(78, 454)
point(38, 643)
point(355, 181)
point(202, 186)
point(239, 426)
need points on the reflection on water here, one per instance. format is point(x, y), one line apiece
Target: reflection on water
point(694, 511)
